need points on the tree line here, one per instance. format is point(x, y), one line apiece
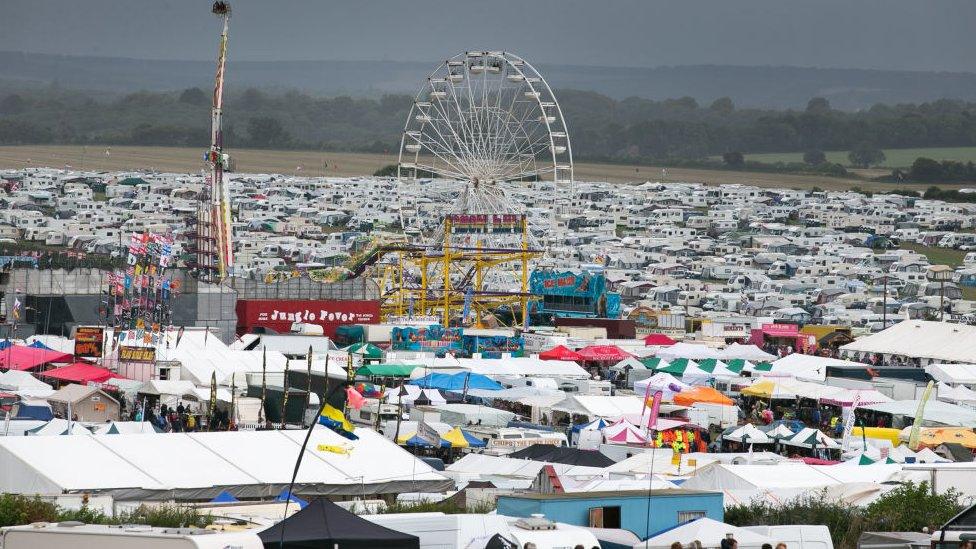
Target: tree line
point(602, 129)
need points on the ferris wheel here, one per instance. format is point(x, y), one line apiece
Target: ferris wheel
point(489, 120)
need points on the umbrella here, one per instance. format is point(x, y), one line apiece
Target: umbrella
point(365, 350)
point(658, 340)
point(749, 434)
point(560, 352)
point(603, 353)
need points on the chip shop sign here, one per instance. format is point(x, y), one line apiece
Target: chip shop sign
point(88, 341)
point(141, 355)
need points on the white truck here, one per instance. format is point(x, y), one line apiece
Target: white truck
point(796, 536)
point(76, 535)
point(440, 531)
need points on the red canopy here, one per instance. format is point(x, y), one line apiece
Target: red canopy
point(659, 340)
point(80, 372)
point(603, 353)
point(22, 357)
point(560, 352)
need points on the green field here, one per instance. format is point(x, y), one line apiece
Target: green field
point(936, 255)
point(894, 158)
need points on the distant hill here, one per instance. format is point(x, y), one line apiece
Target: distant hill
point(764, 87)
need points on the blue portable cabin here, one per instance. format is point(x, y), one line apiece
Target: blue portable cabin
point(627, 510)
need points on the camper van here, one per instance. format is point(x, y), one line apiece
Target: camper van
point(512, 439)
point(71, 535)
point(440, 531)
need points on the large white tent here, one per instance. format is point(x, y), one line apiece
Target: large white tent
point(691, 351)
point(936, 412)
point(936, 341)
point(201, 465)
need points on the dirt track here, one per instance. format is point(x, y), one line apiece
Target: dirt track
point(351, 164)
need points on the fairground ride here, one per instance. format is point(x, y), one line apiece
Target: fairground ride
point(212, 246)
point(488, 122)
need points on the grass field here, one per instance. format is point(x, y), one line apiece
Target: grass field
point(894, 158)
point(942, 256)
point(312, 163)
point(937, 256)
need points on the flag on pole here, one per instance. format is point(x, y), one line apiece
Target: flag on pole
point(916, 432)
point(17, 305)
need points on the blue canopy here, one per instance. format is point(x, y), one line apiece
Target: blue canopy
point(456, 382)
point(39, 345)
point(224, 497)
point(285, 496)
point(4, 344)
point(417, 441)
point(473, 441)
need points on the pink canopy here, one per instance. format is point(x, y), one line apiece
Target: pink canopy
point(603, 353)
point(81, 372)
point(658, 340)
point(623, 432)
point(560, 352)
point(22, 357)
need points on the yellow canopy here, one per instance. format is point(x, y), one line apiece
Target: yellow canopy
point(932, 437)
point(879, 433)
point(761, 389)
point(456, 438)
point(403, 438)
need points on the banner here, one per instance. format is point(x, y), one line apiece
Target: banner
point(428, 434)
point(280, 314)
point(655, 410)
point(916, 432)
point(141, 355)
point(486, 223)
point(88, 341)
point(849, 422)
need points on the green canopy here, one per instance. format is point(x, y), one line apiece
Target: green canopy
point(865, 460)
point(736, 365)
point(366, 350)
point(386, 370)
point(763, 367)
point(653, 363)
point(677, 367)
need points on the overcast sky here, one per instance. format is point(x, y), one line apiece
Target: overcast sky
point(882, 34)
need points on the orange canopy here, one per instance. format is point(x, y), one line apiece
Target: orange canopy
point(701, 394)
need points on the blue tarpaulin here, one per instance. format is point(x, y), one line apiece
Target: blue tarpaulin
point(456, 382)
point(224, 497)
point(285, 496)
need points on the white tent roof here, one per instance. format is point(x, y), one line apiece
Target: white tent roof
point(199, 465)
point(709, 532)
point(748, 433)
point(942, 341)
point(936, 412)
point(948, 393)
point(595, 406)
point(746, 352)
point(509, 366)
point(688, 350)
point(661, 381)
point(126, 427)
point(59, 426)
point(953, 373)
point(25, 384)
point(808, 367)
